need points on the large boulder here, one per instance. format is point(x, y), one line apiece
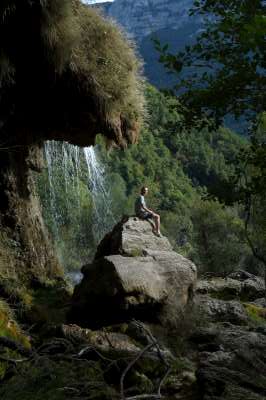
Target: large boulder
point(132, 237)
point(142, 278)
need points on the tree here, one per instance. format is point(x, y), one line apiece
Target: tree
point(225, 67)
point(225, 74)
point(219, 240)
point(253, 188)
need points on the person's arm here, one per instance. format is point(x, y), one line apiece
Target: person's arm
point(143, 205)
point(145, 208)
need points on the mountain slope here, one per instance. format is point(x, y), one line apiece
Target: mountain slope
point(144, 20)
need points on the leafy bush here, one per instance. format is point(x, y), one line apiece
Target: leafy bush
point(218, 237)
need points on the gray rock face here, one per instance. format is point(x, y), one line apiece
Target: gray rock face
point(142, 17)
point(232, 363)
point(260, 302)
point(232, 348)
point(132, 237)
point(240, 285)
point(216, 310)
point(155, 286)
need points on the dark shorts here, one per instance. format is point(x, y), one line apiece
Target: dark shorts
point(145, 215)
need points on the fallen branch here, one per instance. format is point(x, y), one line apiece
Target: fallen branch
point(144, 396)
point(153, 343)
point(162, 380)
point(13, 361)
point(160, 355)
point(129, 366)
point(87, 348)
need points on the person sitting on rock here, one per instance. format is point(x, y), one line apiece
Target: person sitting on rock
point(143, 212)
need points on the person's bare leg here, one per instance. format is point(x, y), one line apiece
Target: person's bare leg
point(157, 223)
point(152, 225)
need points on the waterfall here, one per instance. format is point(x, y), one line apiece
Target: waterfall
point(76, 179)
point(100, 194)
point(63, 161)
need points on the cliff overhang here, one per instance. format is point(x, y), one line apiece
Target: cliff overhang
point(66, 74)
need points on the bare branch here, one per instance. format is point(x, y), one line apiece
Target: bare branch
point(129, 366)
point(144, 396)
point(153, 343)
point(13, 361)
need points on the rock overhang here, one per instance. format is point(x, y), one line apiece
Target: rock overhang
point(72, 89)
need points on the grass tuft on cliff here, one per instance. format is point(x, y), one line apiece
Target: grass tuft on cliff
point(65, 68)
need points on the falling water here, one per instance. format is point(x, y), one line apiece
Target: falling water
point(51, 155)
point(62, 159)
point(101, 197)
point(65, 162)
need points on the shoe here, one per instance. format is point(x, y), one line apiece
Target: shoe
point(158, 234)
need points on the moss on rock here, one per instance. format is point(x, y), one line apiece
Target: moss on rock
point(58, 380)
point(9, 328)
point(256, 313)
point(10, 331)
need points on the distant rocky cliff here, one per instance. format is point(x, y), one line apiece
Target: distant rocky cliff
point(167, 20)
point(140, 18)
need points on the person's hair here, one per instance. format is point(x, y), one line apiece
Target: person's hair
point(143, 189)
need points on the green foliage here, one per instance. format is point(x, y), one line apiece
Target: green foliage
point(210, 160)
point(252, 184)
point(253, 159)
point(9, 328)
point(218, 237)
point(256, 314)
point(229, 60)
